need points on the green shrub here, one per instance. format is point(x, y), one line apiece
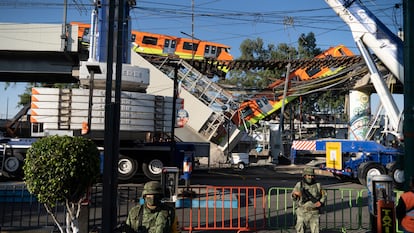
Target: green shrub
point(61, 168)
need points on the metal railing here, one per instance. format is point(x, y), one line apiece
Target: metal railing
point(219, 208)
point(342, 211)
point(201, 208)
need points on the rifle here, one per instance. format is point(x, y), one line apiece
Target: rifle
point(124, 228)
point(307, 196)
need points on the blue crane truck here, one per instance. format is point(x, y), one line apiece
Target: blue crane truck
point(353, 159)
point(357, 159)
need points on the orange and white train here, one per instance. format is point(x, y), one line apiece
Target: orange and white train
point(166, 45)
point(251, 111)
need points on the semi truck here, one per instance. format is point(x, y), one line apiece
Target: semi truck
point(145, 124)
point(358, 158)
point(147, 121)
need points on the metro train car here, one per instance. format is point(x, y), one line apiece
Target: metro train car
point(308, 73)
point(251, 111)
point(165, 45)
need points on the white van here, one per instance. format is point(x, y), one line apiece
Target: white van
point(240, 160)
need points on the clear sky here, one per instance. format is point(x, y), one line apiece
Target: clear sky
point(224, 21)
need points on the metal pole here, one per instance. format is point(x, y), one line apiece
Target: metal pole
point(90, 104)
point(109, 208)
point(282, 118)
point(228, 140)
point(174, 116)
point(192, 31)
point(284, 96)
point(63, 37)
point(408, 91)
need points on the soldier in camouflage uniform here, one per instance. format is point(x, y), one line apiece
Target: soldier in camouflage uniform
point(153, 216)
point(309, 198)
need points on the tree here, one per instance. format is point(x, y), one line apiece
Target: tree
point(253, 50)
point(284, 52)
point(257, 50)
point(25, 97)
point(60, 169)
point(307, 46)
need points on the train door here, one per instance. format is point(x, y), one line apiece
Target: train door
point(169, 46)
point(86, 37)
point(264, 105)
point(210, 51)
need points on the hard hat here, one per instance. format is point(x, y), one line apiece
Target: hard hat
point(152, 187)
point(308, 171)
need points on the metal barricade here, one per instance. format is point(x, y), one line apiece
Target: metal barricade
point(219, 208)
point(202, 208)
point(20, 209)
point(343, 210)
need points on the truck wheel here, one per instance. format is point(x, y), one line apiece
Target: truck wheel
point(241, 166)
point(397, 175)
point(369, 169)
point(13, 167)
point(11, 164)
point(127, 167)
point(153, 169)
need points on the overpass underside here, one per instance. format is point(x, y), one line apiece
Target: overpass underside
point(39, 66)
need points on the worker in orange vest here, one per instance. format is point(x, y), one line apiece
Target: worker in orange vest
point(405, 209)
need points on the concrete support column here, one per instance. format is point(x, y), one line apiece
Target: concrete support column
point(359, 114)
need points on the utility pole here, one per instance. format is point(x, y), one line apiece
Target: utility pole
point(63, 36)
point(111, 137)
point(192, 32)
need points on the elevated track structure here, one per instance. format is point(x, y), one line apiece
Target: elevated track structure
point(204, 99)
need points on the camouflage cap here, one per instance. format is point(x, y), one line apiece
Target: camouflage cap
point(308, 171)
point(152, 187)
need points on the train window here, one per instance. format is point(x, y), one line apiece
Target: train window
point(85, 36)
point(133, 37)
point(213, 49)
point(341, 51)
point(265, 100)
point(85, 32)
point(189, 46)
point(207, 49)
point(259, 103)
point(173, 43)
point(312, 72)
point(247, 111)
point(149, 40)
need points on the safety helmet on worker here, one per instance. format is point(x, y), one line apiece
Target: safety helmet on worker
point(152, 187)
point(308, 171)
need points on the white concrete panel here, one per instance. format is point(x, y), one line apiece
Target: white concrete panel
point(35, 37)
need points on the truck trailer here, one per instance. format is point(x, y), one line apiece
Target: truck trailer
point(145, 123)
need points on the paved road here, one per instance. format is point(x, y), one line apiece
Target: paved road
point(264, 176)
